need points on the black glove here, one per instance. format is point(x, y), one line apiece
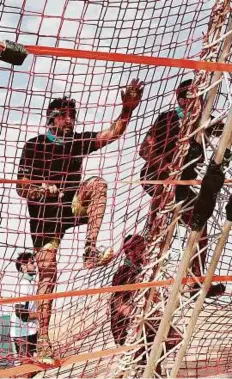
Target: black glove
point(189, 173)
point(227, 158)
point(229, 209)
point(210, 187)
point(14, 53)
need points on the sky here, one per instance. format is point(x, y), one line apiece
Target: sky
point(171, 28)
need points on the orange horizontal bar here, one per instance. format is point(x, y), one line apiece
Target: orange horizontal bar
point(110, 289)
point(166, 181)
point(130, 58)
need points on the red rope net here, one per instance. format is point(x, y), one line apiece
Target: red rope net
point(170, 29)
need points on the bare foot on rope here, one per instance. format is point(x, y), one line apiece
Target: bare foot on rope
point(44, 351)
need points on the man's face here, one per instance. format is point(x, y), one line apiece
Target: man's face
point(63, 123)
point(182, 101)
point(29, 267)
point(135, 250)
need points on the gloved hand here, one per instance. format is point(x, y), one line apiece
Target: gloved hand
point(12, 52)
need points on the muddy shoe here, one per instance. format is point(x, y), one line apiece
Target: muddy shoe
point(44, 351)
point(214, 290)
point(95, 258)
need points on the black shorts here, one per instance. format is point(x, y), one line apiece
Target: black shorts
point(51, 221)
point(26, 346)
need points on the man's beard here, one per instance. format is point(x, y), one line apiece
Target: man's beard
point(62, 133)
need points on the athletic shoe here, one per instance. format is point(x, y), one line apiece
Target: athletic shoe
point(95, 258)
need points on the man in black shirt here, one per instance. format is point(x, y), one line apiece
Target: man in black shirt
point(55, 207)
point(157, 150)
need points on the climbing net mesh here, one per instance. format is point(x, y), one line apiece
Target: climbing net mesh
point(169, 29)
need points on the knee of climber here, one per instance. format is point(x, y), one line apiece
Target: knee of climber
point(93, 189)
point(99, 184)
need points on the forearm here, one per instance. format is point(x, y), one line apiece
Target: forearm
point(26, 190)
point(33, 316)
point(116, 130)
point(37, 192)
point(118, 127)
point(23, 314)
point(23, 190)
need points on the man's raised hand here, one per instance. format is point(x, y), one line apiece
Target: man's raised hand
point(132, 96)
